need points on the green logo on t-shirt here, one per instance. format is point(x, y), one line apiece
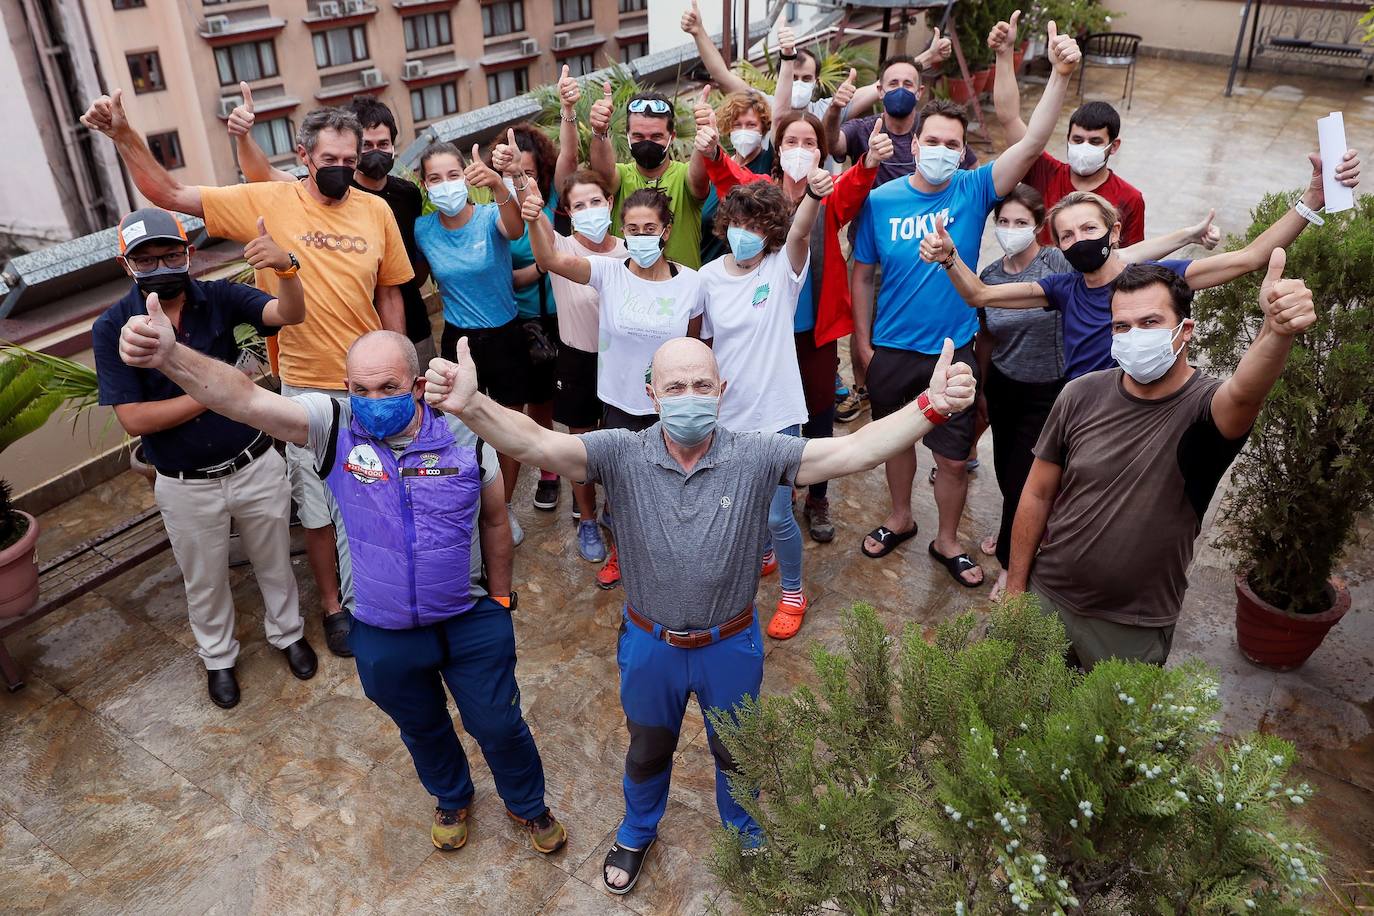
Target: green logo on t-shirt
point(760, 296)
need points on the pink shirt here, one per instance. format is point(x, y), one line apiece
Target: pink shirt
point(578, 304)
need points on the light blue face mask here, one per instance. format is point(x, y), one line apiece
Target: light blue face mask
point(449, 197)
point(645, 249)
point(939, 163)
point(689, 418)
point(743, 243)
point(593, 222)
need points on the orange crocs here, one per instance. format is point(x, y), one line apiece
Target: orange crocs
point(787, 620)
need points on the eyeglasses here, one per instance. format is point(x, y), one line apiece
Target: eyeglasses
point(143, 262)
point(655, 106)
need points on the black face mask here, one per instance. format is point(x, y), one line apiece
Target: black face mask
point(648, 154)
point(333, 181)
point(167, 284)
point(1087, 255)
point(376, 163)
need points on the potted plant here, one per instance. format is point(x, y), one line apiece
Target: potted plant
point(25, 405)
point(1300, 486)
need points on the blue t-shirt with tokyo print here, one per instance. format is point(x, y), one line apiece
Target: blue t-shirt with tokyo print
point(917, 305)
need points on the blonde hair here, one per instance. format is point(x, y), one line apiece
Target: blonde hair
point(737, 103)
point(1073, 199)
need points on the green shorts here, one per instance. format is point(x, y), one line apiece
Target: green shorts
point(1092, 639)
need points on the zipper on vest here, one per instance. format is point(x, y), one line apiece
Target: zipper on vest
point(408, 516)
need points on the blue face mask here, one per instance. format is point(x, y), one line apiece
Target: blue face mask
point(644, 249)
point(383, 418)
point(939, 163)
point(592, 222)
point(743, 243)
point(899, 102)
point(449, 197)
point(689, 418)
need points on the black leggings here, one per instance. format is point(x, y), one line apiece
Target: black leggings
point(1017, 412)
point(820, 426)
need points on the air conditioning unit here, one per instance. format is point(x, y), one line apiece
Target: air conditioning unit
point(413, 69)
point(561, 40)
point(328, 9)
point(372, 77)
point(227, 104)
point(354, 7)
point(529, 46)
point(216, 25)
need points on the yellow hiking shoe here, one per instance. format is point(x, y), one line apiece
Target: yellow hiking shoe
point(546, 834)
point(450, 830)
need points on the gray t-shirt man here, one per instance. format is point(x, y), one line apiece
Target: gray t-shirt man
point(690, 543)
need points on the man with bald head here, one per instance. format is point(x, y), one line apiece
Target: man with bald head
point(691, 518)
point(423, 505)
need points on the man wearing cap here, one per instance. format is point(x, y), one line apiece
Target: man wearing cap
point(211, 470)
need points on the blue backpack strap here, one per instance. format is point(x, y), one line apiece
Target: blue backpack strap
point(329, 457)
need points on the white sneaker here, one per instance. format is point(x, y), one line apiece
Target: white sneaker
point(517, 534)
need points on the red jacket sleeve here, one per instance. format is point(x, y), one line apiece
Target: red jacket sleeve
point(851, 190)
point(725, 173)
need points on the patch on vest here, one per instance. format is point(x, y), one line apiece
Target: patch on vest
point(364, 464)
point(429, 459)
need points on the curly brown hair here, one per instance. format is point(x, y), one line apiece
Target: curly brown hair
point(529, 138)
point(737, 103)
point(759, 207)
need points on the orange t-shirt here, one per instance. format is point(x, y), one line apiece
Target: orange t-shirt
point(346, 251)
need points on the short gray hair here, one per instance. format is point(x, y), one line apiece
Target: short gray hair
point(340, 119)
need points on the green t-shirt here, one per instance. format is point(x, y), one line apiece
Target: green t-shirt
point(684, 243)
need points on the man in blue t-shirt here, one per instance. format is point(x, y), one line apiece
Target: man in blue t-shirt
point(899, 340)
point(211, 470)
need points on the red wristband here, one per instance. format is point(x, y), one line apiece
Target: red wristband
point(923, 404)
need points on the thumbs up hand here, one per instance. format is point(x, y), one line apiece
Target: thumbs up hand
point(262, 253)
point(569, 90)
point(450, 386)
point(879, 145)
point(106, 115)
point(937, 247)
point(787, 41)
point(844, 93)
point(1063, 51)
point(952, 386)
point(1287, 304)
point(940, 49)
point(821, 182)
point(241, 118)
point(691, 20)
point(1002, 38)
point(600, 115)
point(147, 340)
point(504, 155)
point(1205, 233)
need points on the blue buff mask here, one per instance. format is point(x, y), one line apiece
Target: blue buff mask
point(939, 163)
point(899, 102)
point(645, 249)
point(449, 197)
point(688, 418)
point(383, 418)
point(743, 243)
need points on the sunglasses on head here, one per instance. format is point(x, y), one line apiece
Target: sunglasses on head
point(655, 106)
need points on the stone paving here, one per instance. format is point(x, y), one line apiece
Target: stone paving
point(124, 790)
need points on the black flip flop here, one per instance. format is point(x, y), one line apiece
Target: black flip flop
point(957, 566)
point(888, 538)
point(630, 861)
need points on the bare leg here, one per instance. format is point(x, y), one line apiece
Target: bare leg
point(951, 490)
point(324, 564)
point(901, 470)
point(584, 493)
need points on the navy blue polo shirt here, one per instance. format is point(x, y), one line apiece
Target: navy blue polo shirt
point(208, 317)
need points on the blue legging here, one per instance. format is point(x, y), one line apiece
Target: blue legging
point(784, 534)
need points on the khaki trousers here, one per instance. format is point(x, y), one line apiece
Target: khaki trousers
point(1092, 639)
point(196, 514)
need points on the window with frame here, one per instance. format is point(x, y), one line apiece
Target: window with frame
point(571, 10)
point(507, 84)
point(434, 101)
point(249, 61)
point(276, 136)
point(503, 17)
point(166, 149)
point(580, 64)
point(126, 4)
point(630, 50)
point(633, 6)
point(145, 69)
point(346, 45)
point(429, 30)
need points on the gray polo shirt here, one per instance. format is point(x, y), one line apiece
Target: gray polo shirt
point(690, 544)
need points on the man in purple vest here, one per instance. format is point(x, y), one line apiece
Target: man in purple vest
point(423, 506)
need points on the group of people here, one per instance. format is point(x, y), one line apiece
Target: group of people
point(681, 318)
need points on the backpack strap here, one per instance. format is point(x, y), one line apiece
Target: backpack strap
point(332, 446)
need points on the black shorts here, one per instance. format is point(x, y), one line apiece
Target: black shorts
point(897, 377)
point(615, 418)
point(502, 358)
point(541, 384)
point(575, 403)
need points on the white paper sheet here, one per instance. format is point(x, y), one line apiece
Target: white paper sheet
point(1331, 142)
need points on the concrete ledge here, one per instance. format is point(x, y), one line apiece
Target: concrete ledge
point(78, 480)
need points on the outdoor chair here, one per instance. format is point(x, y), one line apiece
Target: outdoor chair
point(1114, 51)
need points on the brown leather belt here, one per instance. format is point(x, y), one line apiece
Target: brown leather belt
point(693, 639)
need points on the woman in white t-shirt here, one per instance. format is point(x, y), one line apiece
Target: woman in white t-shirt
point(750, 299)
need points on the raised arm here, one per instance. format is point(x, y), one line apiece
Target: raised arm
point(839, 104)
point(951, 391)
point(711, 59)
point(253, 161)
point(1012, 166)
point(569, 143)
point(601, 152)
point(1202, 233)
point(936, 54)
point(787, 56)
point(1032, 515)
point(1006, 94)
point(480, 175)
point(938, 248)
point(149, 341)
point(546, 257)
point(154, 182)
point(819, 184)
point(452, 387)
point(262, 253)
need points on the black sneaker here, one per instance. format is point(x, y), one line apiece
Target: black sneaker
point(546, 494)
point(848, 410)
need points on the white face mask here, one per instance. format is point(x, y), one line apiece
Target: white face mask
point(745, 141)
point(593, 222)
point(1086, 159)
point(797, 162)
point(939, 163)
point(801, 93)
point(1014, 239)
point(1146, 354)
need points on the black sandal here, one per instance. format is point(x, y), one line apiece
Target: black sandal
point(888, 538)
point(957, 566)
point(630, 861)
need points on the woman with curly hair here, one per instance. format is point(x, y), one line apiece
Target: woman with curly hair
point(745, 119)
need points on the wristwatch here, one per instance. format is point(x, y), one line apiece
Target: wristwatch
point(509, 602)
point(290, 271)
point(1309, 214)
point(792, 56)
point(924, 406)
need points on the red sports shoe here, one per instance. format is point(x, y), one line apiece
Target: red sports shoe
point(609, 575)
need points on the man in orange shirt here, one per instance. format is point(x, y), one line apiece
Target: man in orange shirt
point(351, 260)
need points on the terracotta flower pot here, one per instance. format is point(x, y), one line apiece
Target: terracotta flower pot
point(19, 573)
point(1278, 639)
point(961, 90)
point(982, 80)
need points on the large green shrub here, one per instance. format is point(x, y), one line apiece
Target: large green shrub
point(982, 775)
point(1300, 485)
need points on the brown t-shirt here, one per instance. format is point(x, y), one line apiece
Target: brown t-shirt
point(1137, 478)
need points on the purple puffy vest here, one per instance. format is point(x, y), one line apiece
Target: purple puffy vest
point(409, 521)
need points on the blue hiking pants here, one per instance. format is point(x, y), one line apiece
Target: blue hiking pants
point(655, 680)
point(404, 672)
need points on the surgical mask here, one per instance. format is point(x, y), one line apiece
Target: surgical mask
point(1014, 240)
point(644, 249)
point(899, 102)
point(376, 163)
point(1146, 354)
point(745, 141)
point(333, 181)
point(592, 222)
point(383, 418)
point(167, 282)
point(939, 163)
point(743, 243)
point(1087, 255)
point(449, 197)
point(648, 154)
point(689, 418)
point(797, 161)
point(801, 93)
point(509, 182)
point(1086, 159)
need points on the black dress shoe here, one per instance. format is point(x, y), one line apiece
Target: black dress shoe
point(224, 688)
point(301, 658)
point(336, 629)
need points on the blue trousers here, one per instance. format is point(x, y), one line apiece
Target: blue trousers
point(655, 680)
point(784, 534)
point(404, 672)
